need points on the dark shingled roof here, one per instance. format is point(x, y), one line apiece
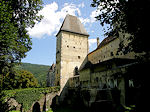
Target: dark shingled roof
point(105, 41)
point(117, 61)
point(73, 24)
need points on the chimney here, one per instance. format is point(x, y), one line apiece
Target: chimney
point(97, 41)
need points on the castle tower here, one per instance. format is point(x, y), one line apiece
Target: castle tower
point(71, 49)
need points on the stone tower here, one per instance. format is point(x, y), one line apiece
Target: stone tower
point(71, 49)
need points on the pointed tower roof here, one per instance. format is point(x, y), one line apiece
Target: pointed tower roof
point(74, 25)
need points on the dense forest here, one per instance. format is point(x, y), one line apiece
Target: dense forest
point(39, 71)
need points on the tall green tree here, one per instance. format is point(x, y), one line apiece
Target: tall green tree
point(21, 79)
point(126, 16)
point(15, 17)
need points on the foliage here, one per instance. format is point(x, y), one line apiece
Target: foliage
point(25, 79)
point(15, 17)
point(126, 16)
point(39, 71)
point(27, 96)
point(21, 79)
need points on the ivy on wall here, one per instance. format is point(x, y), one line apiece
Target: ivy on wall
point(27, 96)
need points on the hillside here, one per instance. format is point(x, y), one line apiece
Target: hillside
point(39, 71)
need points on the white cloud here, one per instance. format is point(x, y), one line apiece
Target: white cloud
point(71, 9)
point(92, 41)
point(52, 19)
point(49, 23)
point(84, 21)
point(93, 15)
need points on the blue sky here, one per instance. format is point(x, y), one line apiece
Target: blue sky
point(43, 34)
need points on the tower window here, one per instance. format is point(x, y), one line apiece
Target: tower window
point(76, 71)
point(57, 52)
point(79, 57)
point(73, 46)
point(111, 54)
point(58, 83)
point(96, 79)
point(68, 46)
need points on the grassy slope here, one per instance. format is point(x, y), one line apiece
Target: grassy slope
point(39, 71)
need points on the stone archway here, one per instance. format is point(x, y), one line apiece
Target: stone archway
point(36, 107)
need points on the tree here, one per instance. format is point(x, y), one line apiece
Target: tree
point(26, 79)
point(21, 79)
point(126, 16)
point(15, 17)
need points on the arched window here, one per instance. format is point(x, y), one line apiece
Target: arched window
point(76, 71)
point(79, 57)
point(131, 84)
point(110, 83)
point(58, 83)
point(96, 79)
